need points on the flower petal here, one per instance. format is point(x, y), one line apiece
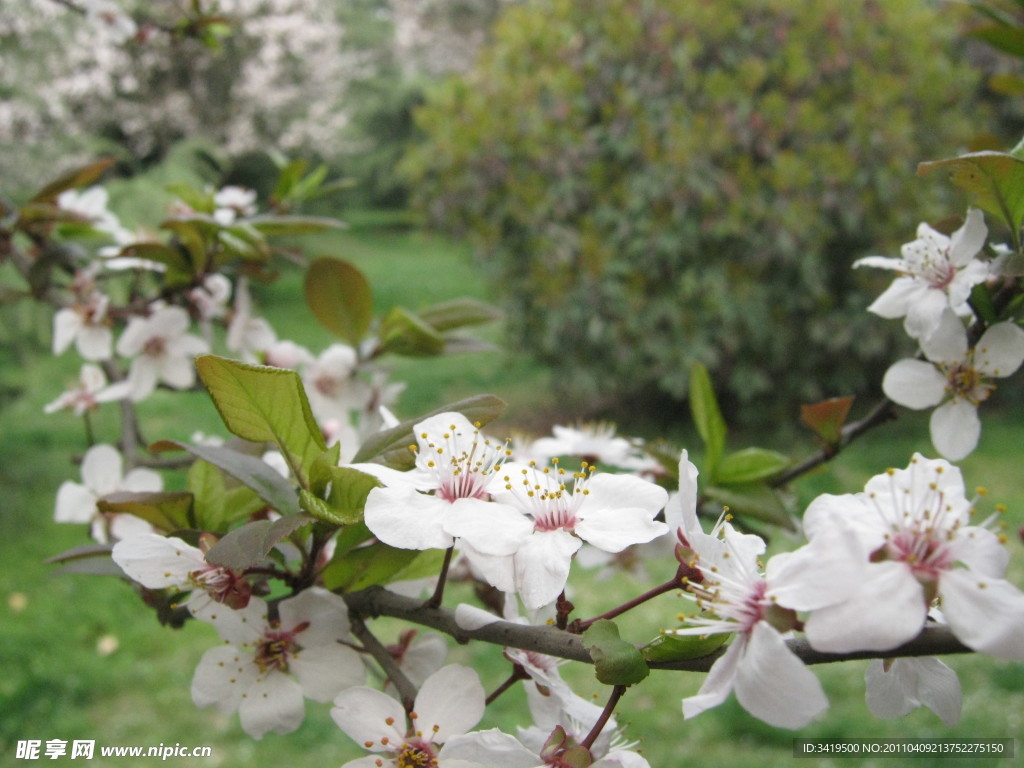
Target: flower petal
point(403, 518)
point(222, 677)
point(487, 749)
point(325, 613)
point(615, 529)
point(157, 562)
point(955, 429)
point(490, 527)
point(774, 685)
point(719, 683)
point(542, 566)
point(450, 702)
point(325, 671)
point(938, 688)
point(914, 384)
point(273, 704)
point(366, 716)
point(1000, 350)
point(985, 614)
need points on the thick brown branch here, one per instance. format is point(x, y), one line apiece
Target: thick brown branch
point(376, 601)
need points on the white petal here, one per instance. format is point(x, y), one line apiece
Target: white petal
point(948, 343)
point(914, 384)
point(938, 688)
point(142, 480)
point(325, 671)
point(177, 372)
point(66, 325)
point(822, 573)
point(490, 527)
point(542, 566)
point(719, 683)
point(967, 241)
point(273, 704)
point(488, 749)
point(924, 315)
point(981, 551)
point(75, 503)
point(157, 562)
point(102, 469)
point(985, 614)
point(774, 685)
point(955, 429)
point(894, 300)
point(366, 716)
point(886, 691)
point(450, 702)
point(613, 529)
point(406, 519)
point(222, 677)
point(881, 262)
point(607, 491)
point(326, 613)
point(241, 627)
point(888, 610)
point(496, 570)
point(95, 342)
point(1000, 350)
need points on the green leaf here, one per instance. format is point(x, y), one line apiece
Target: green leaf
point(249, 545)
point(167, 510)
point(79, 177)
point(669, 647)
point(340, 298)
point(753, 500)
point(459, 313)
point(480, 409)
point(293, 225)
point(994, 180)
point(251, 471)
point(378, 563)
point(982, 304)
point(263, 404)
point(1009, 39)
point(404, 333)
point(750, 465)
point(615, 661)
point(342, 499)
point(707, 417)
point(218, 508)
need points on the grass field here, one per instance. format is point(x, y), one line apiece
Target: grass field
point(83, 660)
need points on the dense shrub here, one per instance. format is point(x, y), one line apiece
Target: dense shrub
point(655, 182)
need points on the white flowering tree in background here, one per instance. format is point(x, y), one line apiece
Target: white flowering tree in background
point(319, 510)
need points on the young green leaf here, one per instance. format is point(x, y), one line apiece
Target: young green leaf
point(707, 417)
point(616, 661)
point(263, 404)
point(167, 510)
point(378, 563)
point(79, 177)
point(995, 181)
point(750, 465)
point(753, 499)
point(404, 333)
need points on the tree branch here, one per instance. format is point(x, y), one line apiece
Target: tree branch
point(548, 640)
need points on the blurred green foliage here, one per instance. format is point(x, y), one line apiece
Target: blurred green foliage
point(658, 182)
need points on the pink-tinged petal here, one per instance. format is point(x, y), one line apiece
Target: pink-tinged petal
point(490, 528)
point(924, 315)
point(157, 562)
point(981, 551)
point(719, 683)
point(955, 429)
point(914, 384)
point(1000, 350)
point(986, 614)
point(542, 566)
point(774, 685)
point(948, 344)
point(75, 503)
point(894, 301)
point(66, 326)
point(325, 613)
point(142, 480)
point(367, 716)
point(487, 749)
point(967, 241)
point(607, 491)
point(614, 529)
point(222, 677)
point(273, 704)
point(102, 469)
point(450, 703)
point(888, 610)
point(325, 671)
point(406, 519)
point(95, 342)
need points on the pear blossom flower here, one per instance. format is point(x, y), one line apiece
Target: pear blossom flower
point(91, 205)
point(167, 562)
point(331, 384)
point(450, 702)
point(85, 325)
point(609, 511)
point(267, 666)
point(595, 443)
point(457, 468)
point(248, 335)
point(232, 202)
point(103, 474)
point(896, 687)
point(956, 379)
point(161, 349)
point(86, 396)
point(936, 273)
point(912, 539)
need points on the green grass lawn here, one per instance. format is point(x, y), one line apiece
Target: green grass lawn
point(84, 660)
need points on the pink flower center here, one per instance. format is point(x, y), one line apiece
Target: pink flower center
point(276, 648)
point(155, 346)
point(463, 469)
point(417, 754)
point(925, 556)
point(223, 585)
point(965, 382)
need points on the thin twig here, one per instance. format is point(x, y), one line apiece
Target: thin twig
point(406, 690)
